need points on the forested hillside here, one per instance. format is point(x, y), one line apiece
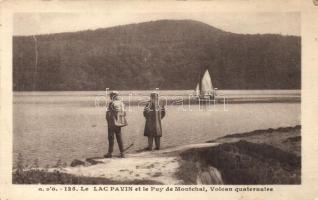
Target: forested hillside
point(165, 54)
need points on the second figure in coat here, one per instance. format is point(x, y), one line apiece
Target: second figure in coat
point(153, 113)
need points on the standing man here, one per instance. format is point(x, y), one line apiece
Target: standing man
point(153, 113)
point(116, 118)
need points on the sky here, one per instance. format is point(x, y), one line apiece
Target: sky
point(285, 23)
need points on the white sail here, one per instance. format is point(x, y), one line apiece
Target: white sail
point(206, 84)
point(197, 90)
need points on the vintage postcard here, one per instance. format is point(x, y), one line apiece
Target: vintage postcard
point(204, 99)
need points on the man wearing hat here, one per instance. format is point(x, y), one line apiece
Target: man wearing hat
point(116, 118)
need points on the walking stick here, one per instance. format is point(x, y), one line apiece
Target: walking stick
point(129, 146)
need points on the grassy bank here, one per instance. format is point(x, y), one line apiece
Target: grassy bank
point(286, 138)
point(246, 163)
point(271, 156)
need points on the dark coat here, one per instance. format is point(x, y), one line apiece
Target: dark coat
point(153, 120)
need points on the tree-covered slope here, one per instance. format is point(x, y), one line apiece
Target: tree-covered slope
point(165, 54)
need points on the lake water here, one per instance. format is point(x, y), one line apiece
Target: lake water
point(49, 126)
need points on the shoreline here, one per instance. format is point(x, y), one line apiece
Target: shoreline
point(99, 98)
point(242, 158)
point(167, 102)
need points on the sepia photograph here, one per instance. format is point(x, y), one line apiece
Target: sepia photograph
point(157, 98)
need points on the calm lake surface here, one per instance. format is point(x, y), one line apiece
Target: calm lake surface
point(49, 126)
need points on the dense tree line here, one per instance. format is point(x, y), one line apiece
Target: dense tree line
point(168, 54)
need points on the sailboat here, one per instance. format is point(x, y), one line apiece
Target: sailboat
point(204, 88)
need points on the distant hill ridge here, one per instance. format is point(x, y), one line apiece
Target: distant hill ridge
point(165, 54)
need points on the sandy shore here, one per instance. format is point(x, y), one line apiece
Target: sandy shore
point(269, 156)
